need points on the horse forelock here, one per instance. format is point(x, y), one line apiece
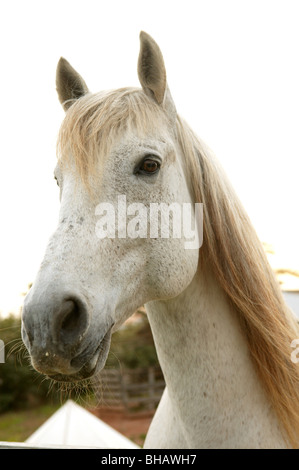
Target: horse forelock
point(95, 123)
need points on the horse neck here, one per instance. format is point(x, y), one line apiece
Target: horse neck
point(210, 378)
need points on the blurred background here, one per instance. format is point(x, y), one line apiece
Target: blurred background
point(233, 72)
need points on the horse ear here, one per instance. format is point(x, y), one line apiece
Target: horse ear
point(152, 72)
point(69, 84)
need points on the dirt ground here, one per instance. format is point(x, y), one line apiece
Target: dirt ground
point(133, 425)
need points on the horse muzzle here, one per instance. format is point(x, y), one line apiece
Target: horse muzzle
point(60, 337)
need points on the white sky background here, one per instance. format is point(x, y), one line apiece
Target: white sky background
point(233, 70)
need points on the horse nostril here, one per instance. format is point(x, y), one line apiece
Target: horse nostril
point(71, 320)
point(70, 315)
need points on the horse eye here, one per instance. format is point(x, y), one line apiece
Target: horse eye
point(149, 166)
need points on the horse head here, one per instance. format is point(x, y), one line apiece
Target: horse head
point(119, 161)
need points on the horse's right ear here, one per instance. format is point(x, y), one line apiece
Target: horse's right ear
point(69, 84)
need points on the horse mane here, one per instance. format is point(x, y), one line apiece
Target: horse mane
point(230, 244)
point(237, 257)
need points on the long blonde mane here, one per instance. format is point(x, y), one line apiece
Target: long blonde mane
point(237, 257)
point(230, 245)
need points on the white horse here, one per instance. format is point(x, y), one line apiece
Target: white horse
point(219, 322)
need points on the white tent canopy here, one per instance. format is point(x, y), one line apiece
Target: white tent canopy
point(73, 426)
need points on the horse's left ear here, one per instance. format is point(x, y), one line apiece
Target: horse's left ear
point(69, 84)
point(152, 73)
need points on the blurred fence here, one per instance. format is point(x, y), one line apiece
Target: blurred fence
point(131, 388)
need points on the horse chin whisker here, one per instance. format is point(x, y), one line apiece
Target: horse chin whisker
point(18, 350)
point(78, 391)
